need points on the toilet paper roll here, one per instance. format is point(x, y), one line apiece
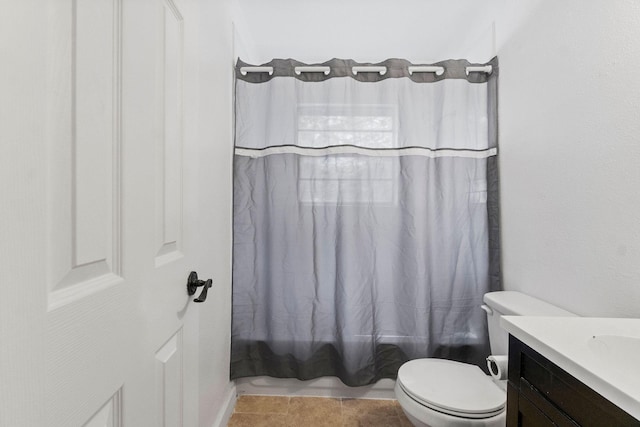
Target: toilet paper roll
point(498, 366)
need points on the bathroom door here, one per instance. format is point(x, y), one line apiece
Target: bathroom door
point(96, 218)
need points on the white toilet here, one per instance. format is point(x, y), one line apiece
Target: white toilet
point(444, 393)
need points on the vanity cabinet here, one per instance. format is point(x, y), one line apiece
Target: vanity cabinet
point(539, 393)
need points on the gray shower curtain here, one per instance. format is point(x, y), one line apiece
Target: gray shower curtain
point(365, 218)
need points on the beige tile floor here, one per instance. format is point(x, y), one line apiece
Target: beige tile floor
point(282, 411)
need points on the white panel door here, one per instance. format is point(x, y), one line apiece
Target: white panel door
point(96, 327)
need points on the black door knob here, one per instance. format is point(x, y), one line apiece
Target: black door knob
point(193, 283)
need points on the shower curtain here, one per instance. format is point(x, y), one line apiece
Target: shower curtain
point(365, 216)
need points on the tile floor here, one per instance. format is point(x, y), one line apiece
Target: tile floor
point(282, 411)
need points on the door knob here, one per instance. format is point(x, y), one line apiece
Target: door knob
point(193, 283)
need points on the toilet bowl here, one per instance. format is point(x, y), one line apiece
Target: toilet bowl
point(444, 393)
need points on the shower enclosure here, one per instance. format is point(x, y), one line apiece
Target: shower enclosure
point(365, 216)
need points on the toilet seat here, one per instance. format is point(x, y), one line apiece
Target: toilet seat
point(454, 388)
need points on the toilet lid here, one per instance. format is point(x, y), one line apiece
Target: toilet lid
point(454, 388)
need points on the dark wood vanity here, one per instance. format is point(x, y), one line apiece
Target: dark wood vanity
point(541, 394)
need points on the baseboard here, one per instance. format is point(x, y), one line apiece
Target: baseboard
point(321, 387)
point(227, 407)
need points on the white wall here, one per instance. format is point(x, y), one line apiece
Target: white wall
point(570, 154)
point(244, 46)
point(217, 392)
point(368, 30)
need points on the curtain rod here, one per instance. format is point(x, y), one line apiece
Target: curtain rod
point(382, 70)
point(313, 69)
point(479, 69)
point(426, 69)
point(245, 70)
point(488, 69)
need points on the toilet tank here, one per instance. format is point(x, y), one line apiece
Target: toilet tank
point(510, 303)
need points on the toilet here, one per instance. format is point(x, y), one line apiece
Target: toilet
point(445, 393)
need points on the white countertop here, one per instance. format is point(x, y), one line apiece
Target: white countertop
point(603, 353)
